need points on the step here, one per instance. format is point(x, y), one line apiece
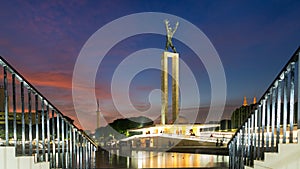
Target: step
point(269, 157)
point(8, 160)
point(7, 155)
point(283, 148)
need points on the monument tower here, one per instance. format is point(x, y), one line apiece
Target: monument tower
point(175, 77)
point(98, 114)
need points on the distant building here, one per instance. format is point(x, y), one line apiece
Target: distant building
point(239, 115)
point(225, 125)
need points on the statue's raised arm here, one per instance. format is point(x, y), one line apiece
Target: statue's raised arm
point(176, 26)
point(167, 23)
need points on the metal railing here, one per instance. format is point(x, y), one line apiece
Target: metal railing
point(274, 120)
point(35, 127)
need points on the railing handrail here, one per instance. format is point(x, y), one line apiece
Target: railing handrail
point(294, 58)
point(34, 90)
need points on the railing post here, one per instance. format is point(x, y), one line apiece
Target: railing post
point(43, 130)
point(279, 112)
point(255, 132)
point(62, 143)
point(268, 122)
point(292, 100)
point(53, 164)
point(285, 104)
point(263, 129)
point(248, 141)
point(84, 153)
point(58, 138)
point(71, 147)
point(234, 165)
point(89, 155)
point(30, 121)
point(258, 132)
point(37, 127)
point(76, 154)
point(23, 118)
point(273, 117)
point(5, 105)
point(77, 149)
point(242, 148)
point(252, 147)
point(80, 149)
point(66, 158)
point(48, 133)
point(94, 156)
point(14, 108)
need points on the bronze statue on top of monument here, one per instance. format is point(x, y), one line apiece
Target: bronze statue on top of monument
point(170, 33)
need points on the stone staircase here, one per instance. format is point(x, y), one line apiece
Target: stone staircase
point(288, 157)
point(8, 160)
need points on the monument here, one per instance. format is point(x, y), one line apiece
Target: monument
point(98, 115)
point(175, 76)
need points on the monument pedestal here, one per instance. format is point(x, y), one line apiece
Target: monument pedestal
point(164, 86)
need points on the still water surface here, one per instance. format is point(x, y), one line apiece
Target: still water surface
point(148, 159)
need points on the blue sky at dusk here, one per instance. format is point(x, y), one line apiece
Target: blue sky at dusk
point(254, 40)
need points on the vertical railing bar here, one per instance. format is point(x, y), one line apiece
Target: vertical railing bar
point(94, 156)
point(84, 152)
point(259, 127)
point(230, 153)
point(66, 158)
point(62, 142)
point(273, 117)
point(37, 127)
point(80, 150)
point(255, 135)
point(89, 154)
point(5, 104)
point(232, 157)
point(268, 121)
point(58, 138)
point(14, 108)
point(43, 129)
point(292, 101)
point(263, 129)
point(285, 104)
point(278, 112)
point(244, 142)
point(71, 148)
point(243, 147)
point(77, 149)
point(248, 141)
point(48, 133)
point(23, 118)
point(53, 142)
point(30, 121)
point(252, 147)
point(74, 148)
point(234, 153)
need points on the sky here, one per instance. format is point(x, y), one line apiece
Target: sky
point(43, 39)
